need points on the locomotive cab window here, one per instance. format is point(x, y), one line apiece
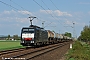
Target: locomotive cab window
point(28, 30)
point(31, 30)
point(25, 30)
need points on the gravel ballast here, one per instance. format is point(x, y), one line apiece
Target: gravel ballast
point(57, 54)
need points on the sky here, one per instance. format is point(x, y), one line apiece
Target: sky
point(57, 15)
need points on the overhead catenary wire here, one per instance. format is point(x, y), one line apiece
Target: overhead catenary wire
point(25, 9)
point(21, 7)
point(57, 18)
point(51, 11)
point(18, 5)
point(56, 7)
point(46, 12)
point(16, 8)
point(54, 4)
point(46, 6)
point(38, 18)
point(9, 5)
point(43, 8)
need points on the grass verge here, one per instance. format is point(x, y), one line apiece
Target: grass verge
point(79, 52)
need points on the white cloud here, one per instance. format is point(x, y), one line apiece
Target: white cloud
point(59, 13)
point(9, 12)
point(6, 12)
point(16, 12)
point(21, 20)
point(17, 17)
point(56, 12)
point(25, 12)
point(46, 11)
point(14, 16)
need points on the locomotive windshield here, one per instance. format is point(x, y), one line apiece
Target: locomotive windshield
point(27, 30)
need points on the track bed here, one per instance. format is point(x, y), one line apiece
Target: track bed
point(50, 52)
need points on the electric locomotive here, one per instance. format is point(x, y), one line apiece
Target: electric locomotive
point(33, 35)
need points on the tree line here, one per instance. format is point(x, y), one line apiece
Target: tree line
point(14, 37)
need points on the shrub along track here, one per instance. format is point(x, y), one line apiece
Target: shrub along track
point(32, 53)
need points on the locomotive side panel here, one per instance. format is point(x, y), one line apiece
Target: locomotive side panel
point(43, 36)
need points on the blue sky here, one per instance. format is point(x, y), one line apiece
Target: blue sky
point(58, 16)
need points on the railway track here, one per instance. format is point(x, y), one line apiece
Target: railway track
point(44, 51)
point(31, 53)
point(11, 51)
point(35, 52)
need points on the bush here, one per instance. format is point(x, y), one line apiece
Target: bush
point(79, 52)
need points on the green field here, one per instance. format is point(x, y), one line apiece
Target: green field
point(7, 45)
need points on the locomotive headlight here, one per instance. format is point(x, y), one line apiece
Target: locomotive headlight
point(22, 41)
point(32, 41)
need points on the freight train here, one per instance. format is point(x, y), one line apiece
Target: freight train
point(34, 35)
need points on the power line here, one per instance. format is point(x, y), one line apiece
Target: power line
point(20, 7)
point(17, 4)
point(38, 18)
point(45, 5)
point(53, 14)
point(46, 12)
point(50, 11)
point(54, 4)
point(9, 5)
point(14, 7)
point(43, 8)
point(56, 7)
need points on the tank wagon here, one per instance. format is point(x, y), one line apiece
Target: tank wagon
point(34, 35)
point(50, 36)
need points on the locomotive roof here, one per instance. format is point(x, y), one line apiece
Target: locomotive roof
point(33, 26)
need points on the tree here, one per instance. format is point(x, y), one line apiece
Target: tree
point(85, 34)
point(8, 37)
point(68, 34)
point(15, 37)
